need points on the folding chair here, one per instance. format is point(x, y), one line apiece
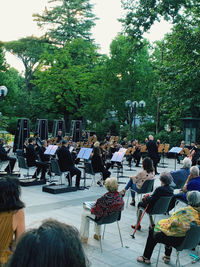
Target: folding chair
point(55, 169)
point(89, 170)
point(147, 187)
point(191, 240)
point(23, 165)
point(113, 217)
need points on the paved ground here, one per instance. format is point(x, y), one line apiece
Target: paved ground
point(67, 208)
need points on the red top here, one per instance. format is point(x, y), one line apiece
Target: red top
point(107, 204)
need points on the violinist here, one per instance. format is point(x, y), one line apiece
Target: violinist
point(4, 157)
point(38, 141)
point(59, 137)
point(194, 153)
point(44, 157)
point(136, 153)
point(98, 165)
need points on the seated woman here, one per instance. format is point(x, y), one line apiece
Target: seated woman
point(53, 244)
point(136, 182)
point(110, 202)
point(192, 183)
point(180, 176)
point(97, 164)
point(172, 231)
point(12, 222)
point(165, 190)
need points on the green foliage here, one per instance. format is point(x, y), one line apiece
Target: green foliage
point(28, 50)
point(66, 20)
point(12, 125)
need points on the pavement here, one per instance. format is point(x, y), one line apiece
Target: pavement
point(67, 208)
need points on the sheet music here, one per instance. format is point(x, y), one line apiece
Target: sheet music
point(118, 156)
point(51, 150)
point(175, 150)
point(88, 205)
point(71, 149)
point(84, 153)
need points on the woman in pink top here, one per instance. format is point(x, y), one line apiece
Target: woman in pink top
point(137, 181)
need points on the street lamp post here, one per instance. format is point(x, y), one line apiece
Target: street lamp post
point(3, 91)
point(132, 111)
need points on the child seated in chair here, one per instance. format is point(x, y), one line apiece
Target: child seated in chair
point(110, 202)
point(164, 190)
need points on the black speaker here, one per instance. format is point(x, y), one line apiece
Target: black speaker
point(76, 130)
point(22, 132)
point(42, 128)
point(58, 125)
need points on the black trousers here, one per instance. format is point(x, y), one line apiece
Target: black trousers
point(160, 237)
point(11, 164)
point(105, 173)
point(74, 171)
point(41, 167)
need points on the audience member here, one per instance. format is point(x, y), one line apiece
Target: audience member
point(165, 190)
point(192, 183)
point(136, 182)
point(110, 202)
point(12, 222)
point(53, 244)
point(180, 176)
point(172, 231)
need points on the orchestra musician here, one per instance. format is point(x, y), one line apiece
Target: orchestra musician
point(152, 148)
point(194, 153)
point(98, 165)
point(32, 159)
point(44, 157)
point(66, 163)
point(4, 157)
point(136, 153)
point(59, 137)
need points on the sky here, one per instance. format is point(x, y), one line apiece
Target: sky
point(16, 22)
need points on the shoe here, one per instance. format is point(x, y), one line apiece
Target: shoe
point(157, 173)
point(132, 203)
point(80, 188)
point(84, 240)
point(97, 237)
point(99, 183)
point(150, 227)
point(143, 260)
point(166, 259)
point(134, 226)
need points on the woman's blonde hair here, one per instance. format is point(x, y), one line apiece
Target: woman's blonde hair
point(111, 184)
point(96, 144)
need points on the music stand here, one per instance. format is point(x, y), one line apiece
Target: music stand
point(84, 154)
point(175, 150)
point(118, 157)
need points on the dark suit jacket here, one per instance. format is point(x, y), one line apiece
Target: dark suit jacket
point(31, 155)
point(65, 159)
point(3, 153)
point(43, 157)
point(161, 191)
point(152, 149)
point(97, 163)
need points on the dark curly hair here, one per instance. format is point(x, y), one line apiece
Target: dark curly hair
point(147, 165)
point(10, 192)
point(53, 244)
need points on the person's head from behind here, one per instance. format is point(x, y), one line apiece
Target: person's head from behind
point(111, 184)
point(32, 140)
point(147, 165)
point(65, 143)
point(53, 244)
point(44, 143)
point(59, 133)
point(10, 192)
point(187, 163)
point(151, 137)
point(165, 178)
point(193, 198)
point(194, 171)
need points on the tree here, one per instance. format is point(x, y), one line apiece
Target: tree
point(28, 50)
point(66, 78)
point(141, 14)
point(67, 20)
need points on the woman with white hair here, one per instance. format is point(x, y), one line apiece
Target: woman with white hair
point(110, 202)
point(192, 183)
point(180, 176)
point(172, 231)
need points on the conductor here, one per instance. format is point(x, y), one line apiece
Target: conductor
point(152, 148)
point(66, 164)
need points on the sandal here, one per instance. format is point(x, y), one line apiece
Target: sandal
point(143, 260)
point(166, 259)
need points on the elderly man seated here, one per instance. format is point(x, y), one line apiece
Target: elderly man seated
point(192, 183)
point(180, 176)
point(110, 202)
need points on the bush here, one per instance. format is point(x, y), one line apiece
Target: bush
point(12, 125)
